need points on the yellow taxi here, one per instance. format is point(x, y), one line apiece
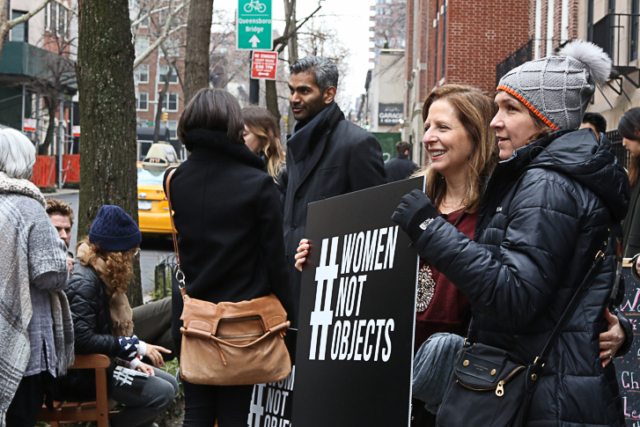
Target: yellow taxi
point(153, 208)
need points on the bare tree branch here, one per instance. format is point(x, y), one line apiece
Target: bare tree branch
point(282, 41)
point(24, 18)
point(166, 32)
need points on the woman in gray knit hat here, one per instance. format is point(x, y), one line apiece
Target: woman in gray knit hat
point(548, 207)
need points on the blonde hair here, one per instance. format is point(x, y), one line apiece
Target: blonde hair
point(475, 110)
point(262, 123)
point(115, 269)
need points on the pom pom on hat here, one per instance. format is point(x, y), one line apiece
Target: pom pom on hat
point(593, 57)
point(114, 231)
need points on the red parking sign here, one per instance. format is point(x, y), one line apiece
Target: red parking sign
point(264, 65)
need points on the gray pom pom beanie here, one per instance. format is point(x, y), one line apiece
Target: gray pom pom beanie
point(557, 89)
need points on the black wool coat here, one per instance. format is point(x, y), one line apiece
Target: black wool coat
point(544, 215)
point(229, 220)
point(92, 332)
point(399, 168)
point(344, 158)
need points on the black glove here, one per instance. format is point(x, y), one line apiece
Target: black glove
point(412, 213)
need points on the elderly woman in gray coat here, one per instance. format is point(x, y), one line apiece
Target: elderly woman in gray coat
point(36, 333)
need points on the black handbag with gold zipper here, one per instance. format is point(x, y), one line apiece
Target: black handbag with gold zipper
point(489, 387)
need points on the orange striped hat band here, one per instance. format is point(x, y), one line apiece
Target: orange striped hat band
point(528, 105)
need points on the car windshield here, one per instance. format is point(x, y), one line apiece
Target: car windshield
point(150, 176)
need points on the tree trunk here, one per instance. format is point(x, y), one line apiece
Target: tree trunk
point(108, 115)
point(50, 103)
point(196, 63)
point(161, 95)
point(272, 99)
point(293, 54)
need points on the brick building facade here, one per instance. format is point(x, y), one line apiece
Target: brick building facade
point(464, 41)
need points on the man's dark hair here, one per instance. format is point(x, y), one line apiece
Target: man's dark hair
point(403, 146)
point(215, 110)
point(58, 207)
point(325, 72)
point(596, 119)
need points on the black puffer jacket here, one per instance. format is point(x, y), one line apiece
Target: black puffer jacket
point(545, 213)
point(92, 331)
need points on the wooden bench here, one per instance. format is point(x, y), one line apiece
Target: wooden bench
point(84, 411)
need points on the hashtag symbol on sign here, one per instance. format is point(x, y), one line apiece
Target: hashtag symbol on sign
point(322, 316)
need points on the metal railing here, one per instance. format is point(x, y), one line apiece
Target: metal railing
point(618, 149)
point(617, 34)
point(517, 58)
point(165, 275)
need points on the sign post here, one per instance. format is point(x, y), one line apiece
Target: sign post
point(354, 357)
point(264, 65)
point(254, 28)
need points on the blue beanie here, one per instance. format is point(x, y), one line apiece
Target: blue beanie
point(114, 231)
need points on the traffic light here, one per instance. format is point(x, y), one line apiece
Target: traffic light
point(367, 127)
point(165, 117)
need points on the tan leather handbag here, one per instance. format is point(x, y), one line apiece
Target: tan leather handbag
point(231, 343)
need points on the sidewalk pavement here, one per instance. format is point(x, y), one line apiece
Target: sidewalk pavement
point(61, 192)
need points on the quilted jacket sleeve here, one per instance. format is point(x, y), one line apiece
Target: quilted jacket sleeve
point(539, 237)
point(83, 302)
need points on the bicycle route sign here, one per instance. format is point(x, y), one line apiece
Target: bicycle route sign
point(254, 28)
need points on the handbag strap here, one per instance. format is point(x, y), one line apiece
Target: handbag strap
point(179, 274)
point(573, 304)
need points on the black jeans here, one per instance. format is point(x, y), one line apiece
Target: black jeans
point(26, 405)
point(204, 404)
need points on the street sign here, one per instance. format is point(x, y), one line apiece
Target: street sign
point(354, 356)
point(264, 65)
point(253, 28)
point(76, 131)
point(29, 125)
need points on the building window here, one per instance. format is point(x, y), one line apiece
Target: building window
point(170, 102)
point(611, 6)
point(53, 16)
point(142, 73)
point(164, 70)
point(20, 33)
point(142, 101)
point(144, 23)
point(46, 16)
point(590, 20)
point(435, 57)
point(62, 22)
point(444, 38)
point(633, 44)
point(172, 46)
point(172, 125)
point(142, 44)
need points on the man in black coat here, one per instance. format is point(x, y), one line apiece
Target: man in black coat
point(400, 167)
point(326, 156)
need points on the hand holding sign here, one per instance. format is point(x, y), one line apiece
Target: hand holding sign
point(302, 252)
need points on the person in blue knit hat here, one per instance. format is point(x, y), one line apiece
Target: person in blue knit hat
point(103, 323)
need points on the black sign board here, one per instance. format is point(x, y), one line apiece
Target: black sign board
point(628, 367)
point(271, 403)
point(357, 313)
point(389, 114)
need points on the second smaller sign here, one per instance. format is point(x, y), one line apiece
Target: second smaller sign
point(265, 65)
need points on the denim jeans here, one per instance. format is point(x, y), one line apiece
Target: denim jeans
point(142, 406)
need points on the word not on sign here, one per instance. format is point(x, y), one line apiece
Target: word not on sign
point(265, 65)
point(253, 28)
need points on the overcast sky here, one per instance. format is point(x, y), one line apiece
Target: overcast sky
point(350, 18)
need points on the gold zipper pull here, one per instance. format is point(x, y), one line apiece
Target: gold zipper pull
point(500, 389)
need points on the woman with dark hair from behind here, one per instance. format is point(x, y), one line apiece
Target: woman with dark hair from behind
point(629, 128)
point(230, 239)
point(261, 136)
